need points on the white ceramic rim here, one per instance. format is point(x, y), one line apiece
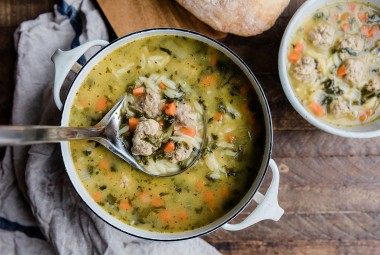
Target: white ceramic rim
point(365, 131)
point(69, 164)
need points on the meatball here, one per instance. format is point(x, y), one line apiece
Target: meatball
point(181, 152)
point(145, 139)
point(373, 85)
point(184, 114)
point(149, 104)
point(354, 71)
point(305, 69)
point(351, 45)
point(339, 107)
point(322, 35)
point(143, 148)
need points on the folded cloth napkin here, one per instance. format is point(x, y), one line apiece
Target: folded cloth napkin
point(40, 212)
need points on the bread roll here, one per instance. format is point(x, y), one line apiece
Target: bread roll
point(241, 17)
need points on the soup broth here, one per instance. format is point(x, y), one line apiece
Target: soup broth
point(334, 62)
point(230, 159)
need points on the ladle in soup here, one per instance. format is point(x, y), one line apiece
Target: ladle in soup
point(106, 132)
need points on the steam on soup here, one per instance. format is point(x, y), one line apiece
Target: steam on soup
point(334, 63)
point(170, 81)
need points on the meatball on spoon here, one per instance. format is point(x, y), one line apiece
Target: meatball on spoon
point(106, 132)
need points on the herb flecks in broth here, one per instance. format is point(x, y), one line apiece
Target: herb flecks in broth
point(334, 63)
point(207, 80)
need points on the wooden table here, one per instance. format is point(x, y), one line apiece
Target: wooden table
point(329, 187)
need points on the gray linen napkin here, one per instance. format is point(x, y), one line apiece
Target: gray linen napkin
point(40, 212)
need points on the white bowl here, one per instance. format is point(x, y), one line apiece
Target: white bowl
point(371, 129)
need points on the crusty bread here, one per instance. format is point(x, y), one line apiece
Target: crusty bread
point(241, 17)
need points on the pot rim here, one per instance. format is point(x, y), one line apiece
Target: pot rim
point(267, 146)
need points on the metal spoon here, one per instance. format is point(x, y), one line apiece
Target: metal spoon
point(106, 132)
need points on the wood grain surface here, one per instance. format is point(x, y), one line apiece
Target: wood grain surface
point(329, 187)
point(127, 16)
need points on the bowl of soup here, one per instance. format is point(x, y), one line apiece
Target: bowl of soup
point(171, 77)
point(329, 66)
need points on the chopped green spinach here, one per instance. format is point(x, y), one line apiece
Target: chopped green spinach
point(374, 18)
point(331, 88)
point(111, 199)
point(166, 50)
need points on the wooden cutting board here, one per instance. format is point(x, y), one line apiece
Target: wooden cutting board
point(127, 16)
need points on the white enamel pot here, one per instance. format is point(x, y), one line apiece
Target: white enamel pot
point(268, 207)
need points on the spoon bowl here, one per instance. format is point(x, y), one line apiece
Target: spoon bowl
point(106, 132)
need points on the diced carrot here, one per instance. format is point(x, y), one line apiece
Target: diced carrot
point(369, 112)
point(162, 85)
point(208, 196)
point(97, 196)
point(182, 214)
point(372, 31)
point(345, 26)
point(133, 122)
point(213, 58)
point(209, 80)
point(345, 16)
point(101, 105)
point(294, 56)
point(230, 138)
point(169, 147)
point(188, 131)
point(157, 202)
point(165, 215)
point(218, 116)
point(252, 120)
point(363, 16)
point(335, 16)
point(298, 47)
point(212, 206)
point(161, 123)
point(144, 197)
point(104, 164)
point(125, 205)
point(352, 7)
point(365, 30)
point(245, 108)
point(341, 71)
point(317, 108)
point(138, 91)
point(200, 185)
point(363, 117)
point(224, 192)
point(170, 109)
point(244, 90)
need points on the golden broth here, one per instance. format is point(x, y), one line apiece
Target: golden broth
point(229, 163)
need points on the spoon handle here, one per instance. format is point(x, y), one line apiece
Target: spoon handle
point(25, 135)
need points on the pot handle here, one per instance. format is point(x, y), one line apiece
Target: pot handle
point(268, 207)
point(64, 61)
